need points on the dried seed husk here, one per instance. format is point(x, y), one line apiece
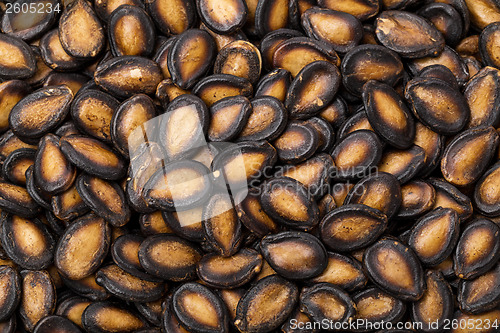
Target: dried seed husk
point(374, 305)
point(223, 18)
point(169, 321)
point(38, 298)
point(221, 225)
point(270, 42)
point(435, 308)
point(271, 15)
point(80, 31)
point(167, 91)
point(448, 196)
point(15, 165)
point(222, 40)
point(169, 257)
point(17, 60)
point(418, 197)
point(489, 316)
point(228, 118)
point(40, 112)
point(92, 111)
point(125, 254)
point(437, 105)
point(11, 92)
point(153, 223)
point(370, 62)
point(57, 323)
point(55, 57)
point(16, 200)
point(275, 84)
point(72, 308)
point(326, 135)
point(481, 294)
point(294, 255)
point(296, 8)
point(356, 154)
point(403, 164)
point(127, 286)
point(239, 58)
point(477, 249)
point(87, 287)
point(93, 157)
point(388, 114)
point(186, 223)
point(68, 205)
point(107, 317)
point(83, 247)
point(357, 121)
point(215, 87)
point(229, 272)
point(483, 98)
point(252, 215)
point(395, 268)
point(326, 302)
point(446, 19)
point(486, 197)
point(192, 298)
point(266, 305)
point(104, 8)
point(10, 288)
point(152, 311)
point(393, 28)
point(488, 39)
point(361, 9)
point(440, 72)
point(351, 227)
point(433, 145)
point(287, 202)
point(126, 76)
point(342, 271)
point(161, 56)
point(297, 142)
point(35, 192)
point(295, 53)
point(267, 120)
point(172, 17)
point(131, 32)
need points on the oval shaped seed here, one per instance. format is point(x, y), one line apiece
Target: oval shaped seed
point(448, 196)
point(68, 205)
point(107, 317)
point(491, 316)
point(275, 84)
point(356, 154)
point(186, 223)
point(488, 39)
point(105, 199)
point(239, 58)
point(178, 185)
point(169, 321)
point(435, 308)
point(342, 30)
point(153, 223)
point(335, 113)
point(229, 272)
point(433, 145)
point(481, 294)
point(54, 56)
point(152, 311)
point(11, 92)
point(161, 56)
point(477, 249)
point(313, 88)
point(434, 236)
point(173, 17)
point(251, 214)
point(92, 111)
point(125, 253)
point(128, 75)
point(361, 9)
point(40, 112)
point(388, 114)
point(191, 299)
point(83, 247)
point(86, 287)
point(286, 201)
point(351, 227)
point(483, 98)
point(370, 62)
point(38, 298)
point(266, 305)
point(403, 164)
point(244, 163)
point(183, 127)
point(167, 91)
point(266, 121)
point(358, 121)
point(104, 8)
point(437, 105)
point(169, 257)
point(15, 165)
point(294, 255)
point(127, 286)
point(218, 86)
point(16, 200)
point(10, 142)
point(446, 19)
point(440, 72)
point(17, 60)
point(80, 31)
point(35, 192)
point(270, 42)
point(72, 309)
point(295, 53)
point(10, 288)
point(326, 302)
point(27, 242)
point(52, 171)
point(93, 157)
point(468, 155)
point(231, 297)
point(342, 271)
point(228, 118)
point(223, 18)
point(392, 27)
point(418, 197)
point(297, 142)
point(131, 32)
point(221, 224)
point(486, 192)
point(373, 305)
point(395, 268)
point(56, 323)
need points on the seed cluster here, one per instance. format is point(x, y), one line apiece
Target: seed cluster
point(216, 166)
